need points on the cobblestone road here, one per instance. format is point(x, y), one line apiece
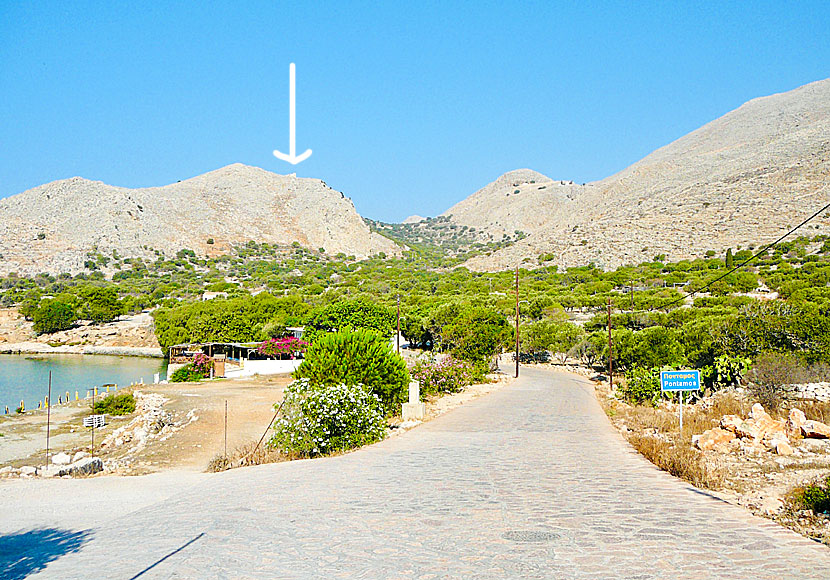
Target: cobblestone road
point(528, 482)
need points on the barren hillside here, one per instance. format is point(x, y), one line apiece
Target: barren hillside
point(51, 228)
point(742, 179)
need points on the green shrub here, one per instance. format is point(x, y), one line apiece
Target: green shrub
point(478, 334)
point(317, 420)
point(641, 385)
point(814, 497)
point(449, 375)
point(727, 371)
point(100, 304)
point(122, 404)
point(655, 346)
point(354, 357)
point(353, 314)
point(53, 316)
point(187, 374)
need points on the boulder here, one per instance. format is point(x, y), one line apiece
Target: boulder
point(61, 459)
point(731, 422)
point(795, 420)
point(86, 466)
point(49, 470)
point(28, 470)
point(780, 446)
point(770, 428)
point(713, 437)
point(79, 455)
point(758, 412)
point(748, 430)
point(815, 430)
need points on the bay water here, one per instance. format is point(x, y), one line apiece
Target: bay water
point(25, 377)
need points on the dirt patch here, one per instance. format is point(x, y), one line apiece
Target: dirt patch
point(195, 413)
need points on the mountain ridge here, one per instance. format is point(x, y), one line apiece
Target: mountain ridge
point(739, 180)
point(742, 179)
point(49, 229)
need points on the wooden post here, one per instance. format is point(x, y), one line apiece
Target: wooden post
point(517, 321)
point(48, 417)
point(610, 356)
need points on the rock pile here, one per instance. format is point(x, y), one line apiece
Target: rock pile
point(152, 423)
point(62, 466)
point(760, 431)
point(815, 391)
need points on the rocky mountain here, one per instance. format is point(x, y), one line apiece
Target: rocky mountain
point(741, 180)
point(52, 227)
point(522, 200)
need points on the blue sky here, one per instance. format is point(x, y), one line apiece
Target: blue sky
point(408, 107)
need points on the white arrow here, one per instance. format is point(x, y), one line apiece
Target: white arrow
point(292, 156)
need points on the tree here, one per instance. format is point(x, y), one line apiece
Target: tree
point(99, 304)
point(357, 357)
point(415, 330)
point(478, 335)
point(649, 348)
point(558, 337)
point(354, 314)
point(53, 316)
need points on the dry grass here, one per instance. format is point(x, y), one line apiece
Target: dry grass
point(678, 459)
point(244, 455)
point(814, 410)
point(728, 403)
point(655, 433)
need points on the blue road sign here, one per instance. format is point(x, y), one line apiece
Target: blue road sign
point(679, 380)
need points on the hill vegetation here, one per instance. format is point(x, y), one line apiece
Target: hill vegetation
point(778, 303)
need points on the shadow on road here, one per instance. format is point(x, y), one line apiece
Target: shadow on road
point(176, 551)
point(24, 553)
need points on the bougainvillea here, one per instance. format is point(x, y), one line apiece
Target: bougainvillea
point(202, 364)
point(287, 347)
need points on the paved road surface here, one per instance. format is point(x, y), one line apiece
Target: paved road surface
point(528, 482)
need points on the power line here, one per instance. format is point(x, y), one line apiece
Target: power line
point(745, 262)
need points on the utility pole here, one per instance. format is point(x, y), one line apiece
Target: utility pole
point(398, 336)
point(517, 321)
point(631, 293)
point(610, 357)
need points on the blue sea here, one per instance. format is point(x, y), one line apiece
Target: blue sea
point(26, 376)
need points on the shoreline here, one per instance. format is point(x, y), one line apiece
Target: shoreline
point(43, 348)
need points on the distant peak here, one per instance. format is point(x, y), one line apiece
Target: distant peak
point(523, 176)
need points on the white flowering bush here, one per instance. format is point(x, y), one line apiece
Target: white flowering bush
point(317, 420)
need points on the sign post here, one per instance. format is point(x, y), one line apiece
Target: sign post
point(680, 381)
